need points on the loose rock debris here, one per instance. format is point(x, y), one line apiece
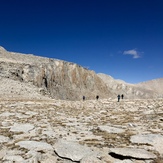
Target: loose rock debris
point(81, 131)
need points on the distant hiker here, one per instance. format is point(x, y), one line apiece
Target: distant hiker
point(119, 97)
point(97, 97)
point(83, 98)
point(122, 96)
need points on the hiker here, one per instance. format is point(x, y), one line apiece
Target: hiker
point(122, 96)
point(97, 97)
point(83, 98)
point(119, 97)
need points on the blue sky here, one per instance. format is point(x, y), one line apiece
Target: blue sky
point(121, 38)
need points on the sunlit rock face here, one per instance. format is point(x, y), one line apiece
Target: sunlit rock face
point(132, 91)
point(59, 79)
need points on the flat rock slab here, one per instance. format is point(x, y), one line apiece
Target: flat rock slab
point(156, 140)
point(6, 114)
point(71, 150)
point(22, 127)
point(133, 153)
point(34, 145)
point(49, 133)
point(90, 159)
point(3, 139)
point(31, 113)
point(6, 124)
point(112, 130)
point(14, 158)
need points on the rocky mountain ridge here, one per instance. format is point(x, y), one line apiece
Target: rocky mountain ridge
point(59, 79)
point(131, 91)
point(155, 85)
point(64, 80)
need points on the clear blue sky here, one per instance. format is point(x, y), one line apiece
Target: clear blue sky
point(121, 38)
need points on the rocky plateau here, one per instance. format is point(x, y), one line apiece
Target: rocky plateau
point(43, 118)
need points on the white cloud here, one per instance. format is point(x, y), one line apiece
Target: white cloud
point(132, 52)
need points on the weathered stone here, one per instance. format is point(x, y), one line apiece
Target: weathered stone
point(71, 150)
point(90, 159)
point(31, 113)
point(2, 153)
point(133, 153)
point(110, 129)
point(48, 158)
point(125, 161)
point(49, 133)
point(14, 158)
point(34, 145)
point(6, 114)
point(33, 156)
point(156, 140)
point(22, 127)
point(6, 123)
point(3, 139)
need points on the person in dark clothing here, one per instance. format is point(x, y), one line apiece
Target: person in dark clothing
point(122, 96)
point(97, 97)
point(83, 98)
point(119, 97)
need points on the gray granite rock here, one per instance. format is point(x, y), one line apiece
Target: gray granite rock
point(71, 150)
point(133, 153)
point(22, 127)
point(6, 123)
point(33, 157)
point(31, 113)
point(110, 129)
point(126, 161)
point(6, 114)
point(90, 159)
point(3, 139)
point(48, 158)
point(15, 158)
point(34, 145)
point(2, 153)
point(156, 140)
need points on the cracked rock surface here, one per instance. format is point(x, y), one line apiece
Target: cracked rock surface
point(46, 131)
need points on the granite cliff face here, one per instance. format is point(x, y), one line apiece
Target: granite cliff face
point(59, 79)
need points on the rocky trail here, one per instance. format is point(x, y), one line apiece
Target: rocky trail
point(91, 131)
